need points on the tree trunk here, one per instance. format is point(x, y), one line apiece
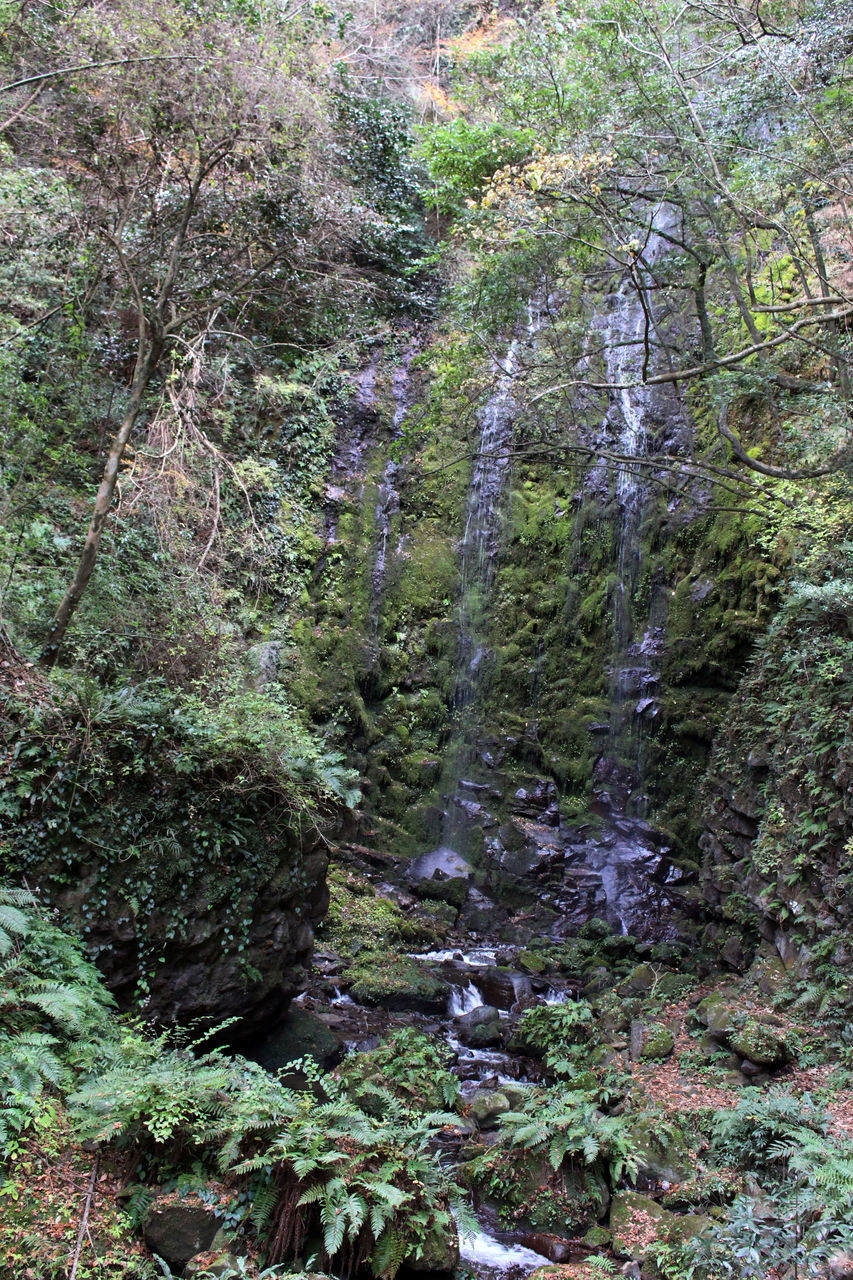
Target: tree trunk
point(103, 502)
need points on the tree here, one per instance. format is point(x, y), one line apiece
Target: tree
point(721, 129)
point(192, 146)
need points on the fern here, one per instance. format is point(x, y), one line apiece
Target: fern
point(14, 922)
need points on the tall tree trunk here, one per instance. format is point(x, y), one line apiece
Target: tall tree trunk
point(103, 501)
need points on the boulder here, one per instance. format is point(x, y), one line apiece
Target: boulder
point(442, 874)
point(715, 1013)
point(636, 1222)
point(178, 1230)
point(396, 982)
point(639, 981)
point(486, 1106)
point(650, 1041)
point(757, 1039)
point(662, 1154)
point(480, 1028)
point(301, 1034)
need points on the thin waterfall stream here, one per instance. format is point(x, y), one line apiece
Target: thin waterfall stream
point(478, 551)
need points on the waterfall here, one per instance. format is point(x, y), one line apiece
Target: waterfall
point(387, 496)
point(464, 1000)
point(630, 333)
point(477, 554)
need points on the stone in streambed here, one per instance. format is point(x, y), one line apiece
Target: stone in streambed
point(442, 874)
point(555, 1248)
point(480, 1028)
point(531, 962)
point(486, 1106)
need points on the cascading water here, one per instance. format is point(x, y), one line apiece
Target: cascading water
point(631, 336)
point(387, 495)
point(477, 562)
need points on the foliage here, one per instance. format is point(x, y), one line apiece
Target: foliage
point(803, 1215)
point(552, 1155)
point(567, 1124)
point(52, 1007)
point(408, 1064)
point(558, 1033)
point(373, 1183)
point(461, 155)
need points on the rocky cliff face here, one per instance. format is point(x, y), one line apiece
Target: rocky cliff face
point(597, 640)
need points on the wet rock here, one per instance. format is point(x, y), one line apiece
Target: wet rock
point(530, 962)
point(442, 874)
point(301, 1034)
point(178, 1231)
point(555, 1248)
point(480, 1028)
point(486, 1106)
point(502, 987)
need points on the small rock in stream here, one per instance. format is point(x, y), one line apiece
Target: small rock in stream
point(555, 1248)
point(486, 1106)
point(480, 1028)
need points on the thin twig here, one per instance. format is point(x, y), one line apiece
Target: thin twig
point(84, 1225)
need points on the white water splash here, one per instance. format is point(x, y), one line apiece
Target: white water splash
point(485, 1251)
point(464, 1000)
point(553, 996)
point(479, 959)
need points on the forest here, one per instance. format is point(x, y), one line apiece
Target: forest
point(426, 639)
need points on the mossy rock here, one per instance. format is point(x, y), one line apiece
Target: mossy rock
point(662, 1152)
point(639, 982)
point(486, 1106)
point(636, 1223)
point(396, 982)
point(651, 1041)
point(760, 1042)
point(532, 962)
